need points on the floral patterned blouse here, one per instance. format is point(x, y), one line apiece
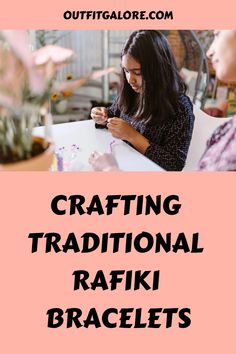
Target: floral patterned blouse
point(220, 153)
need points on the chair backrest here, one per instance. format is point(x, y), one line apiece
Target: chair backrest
point(204, 126)
point(189, 54)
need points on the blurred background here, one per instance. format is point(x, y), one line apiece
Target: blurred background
point(98, 49)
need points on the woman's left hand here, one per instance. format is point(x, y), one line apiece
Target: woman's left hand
point(121, 129)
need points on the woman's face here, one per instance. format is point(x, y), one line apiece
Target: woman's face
point(132, 70)
point(222, 53)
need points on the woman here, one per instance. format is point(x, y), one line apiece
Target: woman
point(152, 112)
point(220, 154)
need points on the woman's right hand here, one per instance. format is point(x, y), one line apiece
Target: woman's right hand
point(100, 115)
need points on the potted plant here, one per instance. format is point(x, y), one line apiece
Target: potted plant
point(27, 80)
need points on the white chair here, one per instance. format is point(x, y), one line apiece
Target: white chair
point(204, 126)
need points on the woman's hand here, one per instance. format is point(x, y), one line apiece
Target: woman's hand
point(99, 115)
point(121, 129)
point(103, 162)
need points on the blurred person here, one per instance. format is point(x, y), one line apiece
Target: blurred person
point(220, 153)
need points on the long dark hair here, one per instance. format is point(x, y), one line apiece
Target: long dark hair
point(162, 84)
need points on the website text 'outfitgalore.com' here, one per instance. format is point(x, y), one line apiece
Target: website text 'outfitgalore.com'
point(118, 15)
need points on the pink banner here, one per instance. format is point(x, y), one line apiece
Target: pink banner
point(192, 280)
point(186, 300)
point(185, 15)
